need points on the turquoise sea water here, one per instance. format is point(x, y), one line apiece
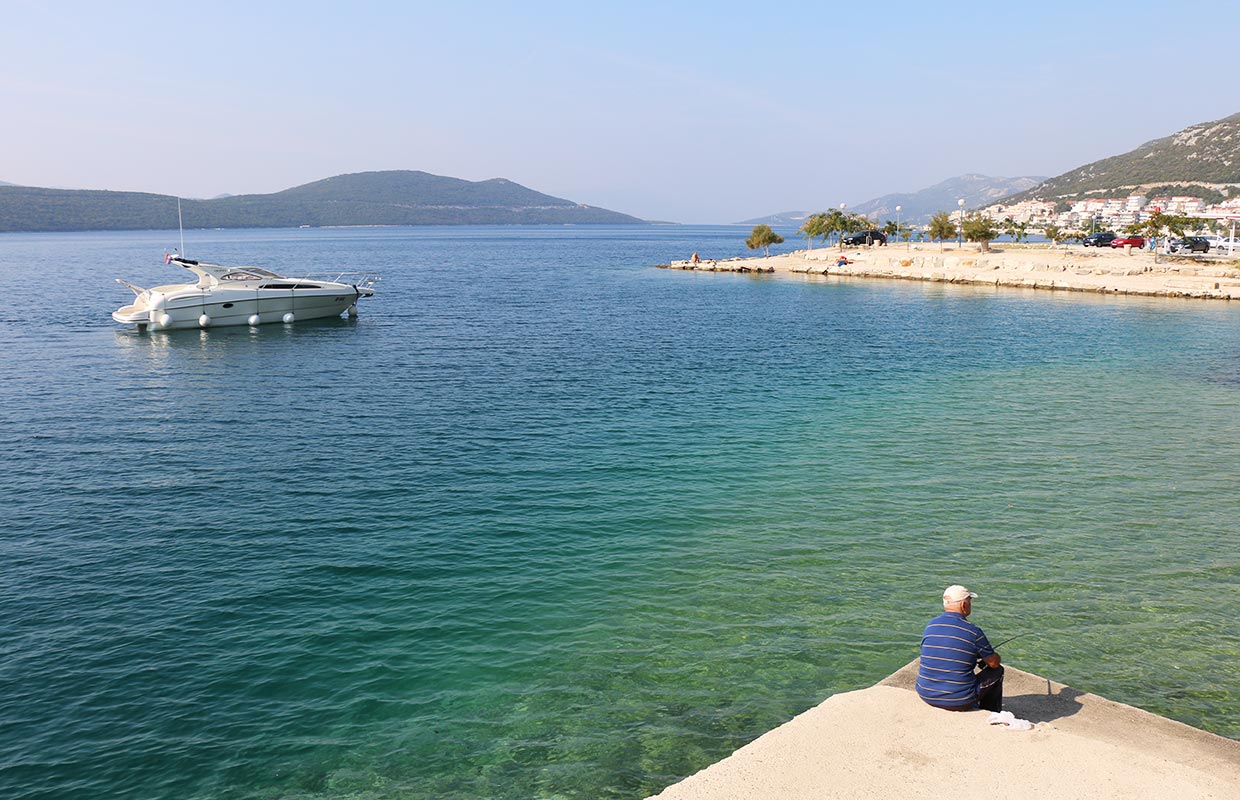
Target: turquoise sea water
point(546, 522)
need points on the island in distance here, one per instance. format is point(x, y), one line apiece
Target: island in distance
point(393, 197)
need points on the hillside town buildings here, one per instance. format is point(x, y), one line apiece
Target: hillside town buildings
point(1110, 213)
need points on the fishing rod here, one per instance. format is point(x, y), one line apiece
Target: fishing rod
point(1010, 638)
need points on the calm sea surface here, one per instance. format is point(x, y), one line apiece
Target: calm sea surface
point(545, 522)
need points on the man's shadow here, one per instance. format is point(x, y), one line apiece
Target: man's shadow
point(1044, 707)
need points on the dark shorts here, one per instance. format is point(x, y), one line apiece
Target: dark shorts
point(989, 692)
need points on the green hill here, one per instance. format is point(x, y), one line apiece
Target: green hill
point(398, 187)
point(1202, 160)
point(367, 198)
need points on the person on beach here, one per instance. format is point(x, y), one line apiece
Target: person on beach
point(951, 648)
point(695, 258)
point(842, 261)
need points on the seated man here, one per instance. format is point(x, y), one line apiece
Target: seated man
point(950, 649)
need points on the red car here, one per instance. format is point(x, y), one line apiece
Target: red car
point(1136, 241)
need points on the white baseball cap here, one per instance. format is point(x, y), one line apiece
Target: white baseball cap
point(955, 593)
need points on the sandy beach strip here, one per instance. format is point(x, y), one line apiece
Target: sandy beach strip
point(1072, 268)
point(885, 742)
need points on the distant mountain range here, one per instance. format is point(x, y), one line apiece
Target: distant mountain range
point(1202, 160)
point(783, 218)
point(366, 198)
point(918, 207)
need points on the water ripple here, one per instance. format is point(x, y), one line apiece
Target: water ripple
point(547, 523)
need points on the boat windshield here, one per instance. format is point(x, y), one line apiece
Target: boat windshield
point(248, 274)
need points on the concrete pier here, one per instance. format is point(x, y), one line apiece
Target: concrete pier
point(884, 742)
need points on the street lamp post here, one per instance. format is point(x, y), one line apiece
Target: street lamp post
point(960, 227)
point(843, 206)
point(897, 221)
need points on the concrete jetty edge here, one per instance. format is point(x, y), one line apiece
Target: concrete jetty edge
point(884, 741)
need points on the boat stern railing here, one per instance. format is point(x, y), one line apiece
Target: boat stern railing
point(138, 291)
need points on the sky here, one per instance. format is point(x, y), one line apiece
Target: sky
point(683, 112)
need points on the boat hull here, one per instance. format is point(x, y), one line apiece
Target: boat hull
point(185, 309)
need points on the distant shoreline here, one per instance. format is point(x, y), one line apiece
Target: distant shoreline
point(392, 197)
point(348, 227)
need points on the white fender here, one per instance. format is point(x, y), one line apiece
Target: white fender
point(254, 320)
point(288, 318)
point(204, 321)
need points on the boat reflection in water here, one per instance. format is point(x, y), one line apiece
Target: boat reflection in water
point(224, 296)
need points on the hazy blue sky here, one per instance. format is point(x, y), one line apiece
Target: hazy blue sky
point(692, 112)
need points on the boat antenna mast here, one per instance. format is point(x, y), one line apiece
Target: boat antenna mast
point(180, 227)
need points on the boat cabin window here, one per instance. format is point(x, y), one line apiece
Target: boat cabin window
point(288, 286)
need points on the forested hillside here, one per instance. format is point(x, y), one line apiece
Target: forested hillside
point(367, 198)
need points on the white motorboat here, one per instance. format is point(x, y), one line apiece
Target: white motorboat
point(242, 296)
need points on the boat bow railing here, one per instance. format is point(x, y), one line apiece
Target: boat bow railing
point(366, 280)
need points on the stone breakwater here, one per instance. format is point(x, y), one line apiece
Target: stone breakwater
point(726, 265)
point(1071, 269)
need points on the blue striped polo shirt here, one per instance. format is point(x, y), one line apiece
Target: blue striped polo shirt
point(950, 649)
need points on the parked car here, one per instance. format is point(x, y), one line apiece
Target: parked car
point(1135, 241)
point(1190, 244)
point(1099, 239)
point(865, 237)
point(1222, 244)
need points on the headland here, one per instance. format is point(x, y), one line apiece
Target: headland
point(1028, 266)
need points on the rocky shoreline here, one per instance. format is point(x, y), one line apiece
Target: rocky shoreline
point(1073, 268)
